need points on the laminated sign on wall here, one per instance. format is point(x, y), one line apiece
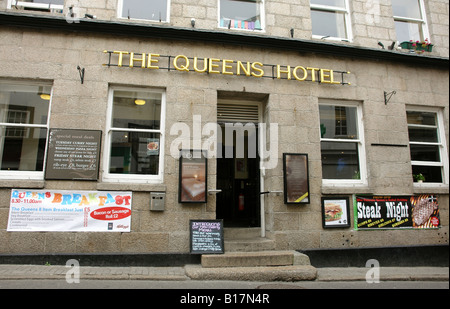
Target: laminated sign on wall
point(69, 211)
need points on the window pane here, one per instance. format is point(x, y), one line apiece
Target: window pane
point(431, 173)
point(428, 153)
point(22, 148)
point(137, 110)
point(421, 118)
point(407, 31)
point(340, 160)
point(150, 10)
point(338, 3)
point(338, 122)
point(24, 104)
point(240, 14)
point(134, 153)
point(423, 135)
point(406, 8)
point(328, 24)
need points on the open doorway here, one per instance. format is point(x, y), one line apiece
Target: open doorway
point(238, 173)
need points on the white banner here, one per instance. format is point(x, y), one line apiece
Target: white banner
point(69, 211)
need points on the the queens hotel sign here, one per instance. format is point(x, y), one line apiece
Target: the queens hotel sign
point(183, 63)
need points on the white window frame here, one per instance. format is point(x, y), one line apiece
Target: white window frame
point(29, 175)
point(444, 164)
point(120, 8)
point(133, 178)
point(422, 21)
point(335, 9)
point(38, 6)
point(262, 16)
point(359, 141)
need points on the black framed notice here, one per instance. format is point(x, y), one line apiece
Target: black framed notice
point(206, 236)
point(193, 171)
point(73, 154)
point(296, 179)
point(335, 212)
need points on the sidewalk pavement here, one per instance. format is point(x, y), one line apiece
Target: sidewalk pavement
point(59, 272)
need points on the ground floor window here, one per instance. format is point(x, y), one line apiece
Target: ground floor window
point(342, 148)
point(24, 113)
point(429, 157)
point(135, 136)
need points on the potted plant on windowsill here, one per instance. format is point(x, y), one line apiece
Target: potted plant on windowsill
point(419, 178)
point(417, 46)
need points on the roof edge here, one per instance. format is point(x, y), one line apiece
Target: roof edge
point(128, 29)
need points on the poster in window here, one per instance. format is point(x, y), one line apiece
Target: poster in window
point(296, 180)
point(193, 177)
point(152, 146)
point(335, 212)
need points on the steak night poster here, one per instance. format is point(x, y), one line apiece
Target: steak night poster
point(382, 212)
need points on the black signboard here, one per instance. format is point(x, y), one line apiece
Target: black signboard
point(296, 180)
point(73, 154)
point(206, 236)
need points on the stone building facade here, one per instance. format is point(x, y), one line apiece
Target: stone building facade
point(199, 64)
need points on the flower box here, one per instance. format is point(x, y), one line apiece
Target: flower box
point(420, 46)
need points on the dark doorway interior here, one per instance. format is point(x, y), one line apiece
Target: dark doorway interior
point(239, 179)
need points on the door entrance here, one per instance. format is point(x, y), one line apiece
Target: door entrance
point(238, 173)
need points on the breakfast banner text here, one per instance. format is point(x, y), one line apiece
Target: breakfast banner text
point(69, 211)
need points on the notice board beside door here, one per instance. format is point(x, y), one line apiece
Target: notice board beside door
point(206, 236)
point(73, 154)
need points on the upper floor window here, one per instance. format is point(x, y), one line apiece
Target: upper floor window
point(241, 14)
point(38, 5)
point(429, 158)
point(410, 20)
point(154, 10)
point(342, 143)
point(135, 140)
point(330, 19)
point(24, 114)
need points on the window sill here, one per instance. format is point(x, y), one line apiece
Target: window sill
point(129, 186)
point(23, 183)
point(141, 21)
point(427, 188)
point(331, 38)
point(243, 30)
point(346, 188)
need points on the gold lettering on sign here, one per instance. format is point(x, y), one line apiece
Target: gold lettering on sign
point(225, 67)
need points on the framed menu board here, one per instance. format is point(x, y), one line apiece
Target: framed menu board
point(73, 154)
point(296, 179)
point(192, 184)
point(335, 212)
point(206, 236)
